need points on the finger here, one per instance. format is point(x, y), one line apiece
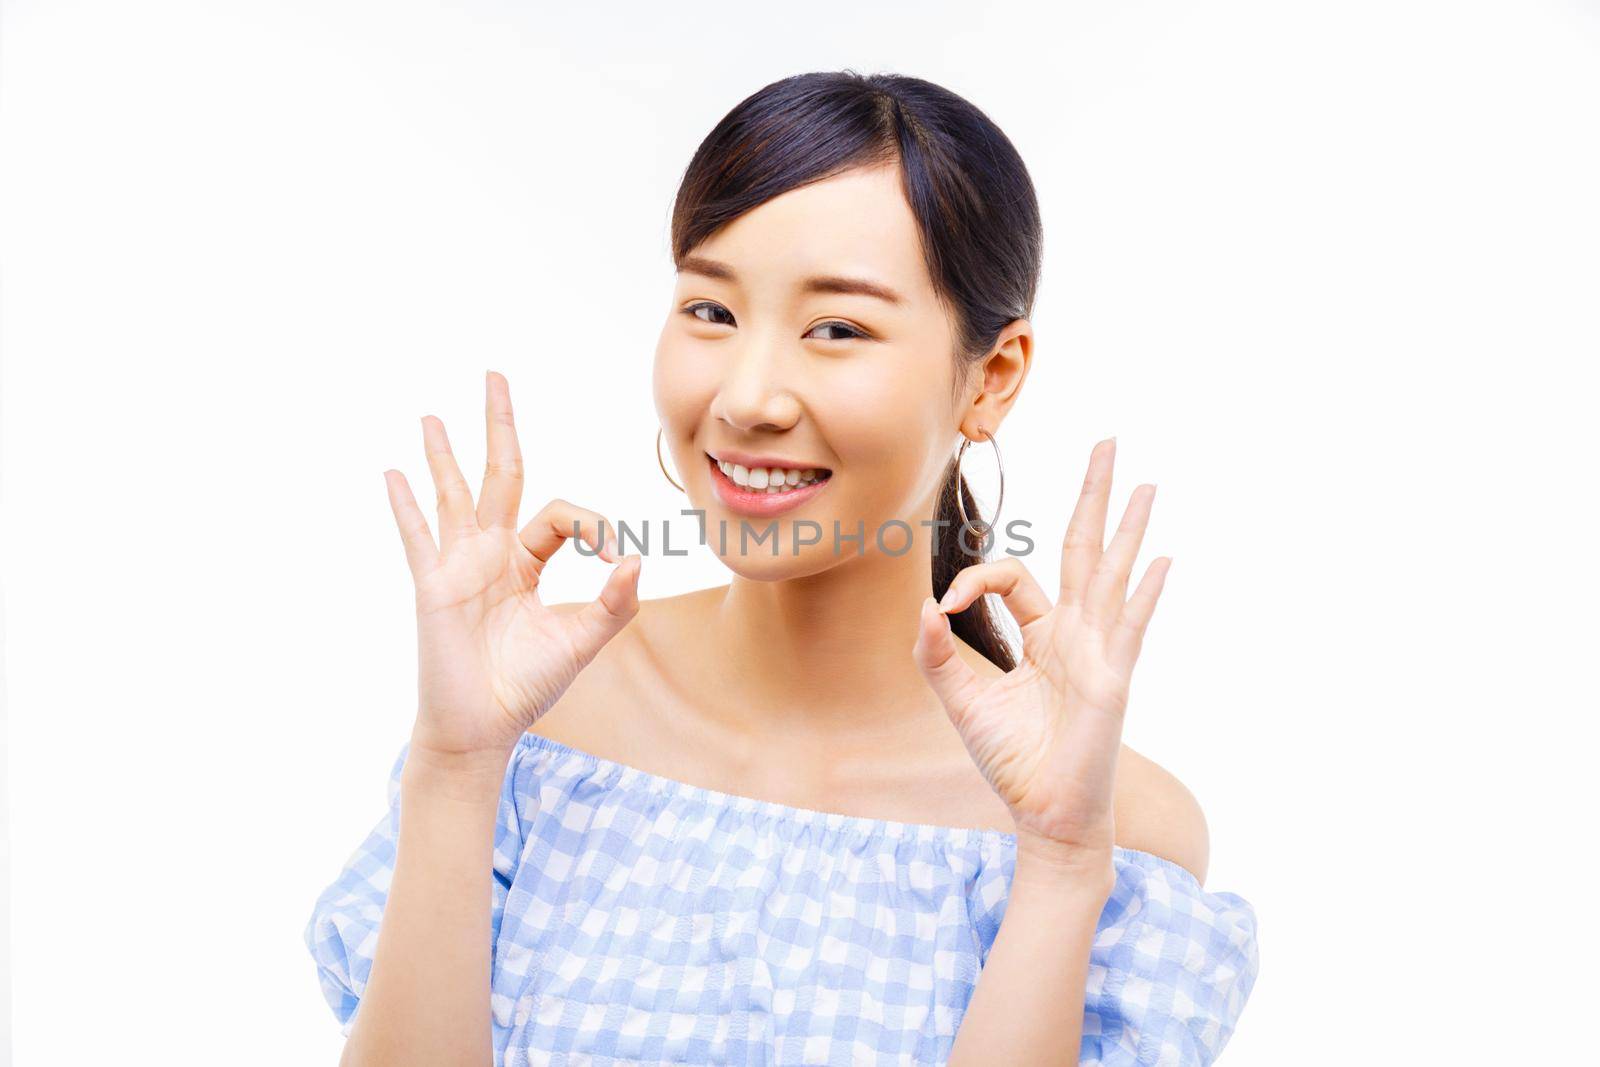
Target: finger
point(604, 617)
point(1022, 594)
point(422, 555)
point(947, 674)
point(1128, 635)
point(456, 517)
point(1086, 532)
point(502, 476)
point(1109, 584)
point(555, 523)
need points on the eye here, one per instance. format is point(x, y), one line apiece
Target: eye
point(851, 335)
point(693, 308)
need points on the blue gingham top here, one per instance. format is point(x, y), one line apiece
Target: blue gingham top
point(642, 920)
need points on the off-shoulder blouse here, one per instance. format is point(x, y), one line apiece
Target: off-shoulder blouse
point(637, 919)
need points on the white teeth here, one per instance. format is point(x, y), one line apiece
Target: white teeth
point(768, 479)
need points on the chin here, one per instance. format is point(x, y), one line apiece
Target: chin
point(758, 564)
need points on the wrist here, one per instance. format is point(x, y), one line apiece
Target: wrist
point(466, 776)
point(1080, 871)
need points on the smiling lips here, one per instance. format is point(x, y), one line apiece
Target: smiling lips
point(765, 491)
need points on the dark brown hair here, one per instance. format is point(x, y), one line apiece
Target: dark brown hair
point(973, 200)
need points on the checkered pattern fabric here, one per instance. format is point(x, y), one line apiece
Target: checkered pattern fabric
point(638, 919)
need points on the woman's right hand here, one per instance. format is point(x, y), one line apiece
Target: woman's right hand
point(491, 657)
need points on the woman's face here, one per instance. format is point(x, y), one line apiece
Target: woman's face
point(769, 362)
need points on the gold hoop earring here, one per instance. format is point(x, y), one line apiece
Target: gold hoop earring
point(1000, 498)
point(663, 465)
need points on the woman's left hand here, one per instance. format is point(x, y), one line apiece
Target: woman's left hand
point(1046, 734)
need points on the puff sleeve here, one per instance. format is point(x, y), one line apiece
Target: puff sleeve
point(342, 931)
point(1170, 971)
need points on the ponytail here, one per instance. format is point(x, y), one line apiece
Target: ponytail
point(957, 549)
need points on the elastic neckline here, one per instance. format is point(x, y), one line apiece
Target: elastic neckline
point(627, 774)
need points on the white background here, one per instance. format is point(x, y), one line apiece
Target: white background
point(1329, 271)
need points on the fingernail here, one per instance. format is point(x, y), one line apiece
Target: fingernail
point(946, 601)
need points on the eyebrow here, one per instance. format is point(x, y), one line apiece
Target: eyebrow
point(825, 283)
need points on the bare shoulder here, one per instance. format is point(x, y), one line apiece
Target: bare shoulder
point(622, 675)
point(1156, 813)
point(658, 609)
point(656, 618)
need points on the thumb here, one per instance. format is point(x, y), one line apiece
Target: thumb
point(604, 617)
point(946, 672)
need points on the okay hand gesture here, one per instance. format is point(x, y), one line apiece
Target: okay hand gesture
point(492, 658)
point(1046, 734)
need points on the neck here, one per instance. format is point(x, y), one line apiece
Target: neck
point(827, 654)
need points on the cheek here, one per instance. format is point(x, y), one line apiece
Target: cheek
point(889, 430)
point(682, 385)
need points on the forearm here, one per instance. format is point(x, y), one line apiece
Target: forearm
point(1028, 1004)
point(427, 998)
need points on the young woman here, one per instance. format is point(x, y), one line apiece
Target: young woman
point(824, 814)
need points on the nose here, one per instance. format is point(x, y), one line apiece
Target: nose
point(752, 395)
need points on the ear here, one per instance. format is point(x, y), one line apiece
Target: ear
point(997, 380)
